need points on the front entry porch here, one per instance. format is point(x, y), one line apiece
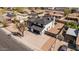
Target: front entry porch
point(35, 31)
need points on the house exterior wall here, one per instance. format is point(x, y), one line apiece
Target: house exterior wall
point(47, 27)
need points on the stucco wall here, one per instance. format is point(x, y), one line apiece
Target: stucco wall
point(47, 27)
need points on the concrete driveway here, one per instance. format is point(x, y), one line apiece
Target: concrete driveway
point(34, 41)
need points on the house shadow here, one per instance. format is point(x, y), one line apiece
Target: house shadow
point(34, 32)
point(72, 46)
point(7, 43)
point(71, 43)
point(50, 34)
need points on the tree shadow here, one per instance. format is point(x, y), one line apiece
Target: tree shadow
point(16, 34)
point(72, 46)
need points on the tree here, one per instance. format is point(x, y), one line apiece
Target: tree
point(67, 11)
point(19, 9)
point(20, 27)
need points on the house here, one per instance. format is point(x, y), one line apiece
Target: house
point(23, 17)
point(40, 24)
point(59, 8)
point(72, 33)
point(73, 17)
point(77, 42)
point(75, 9)
point(8, 15)
point(49, 8)
point(57, 14)
point(9, 8)
point(72, 37)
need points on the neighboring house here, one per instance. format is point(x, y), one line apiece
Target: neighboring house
point(9, 15)
point(75, 9)
point(49, 8)
point(56, 14)
point(33, 14)
point(40, 24)
point(9, 8)
point(59, 8)
point(22, 17)
point(73, 17)
point(41, 14)
point(72, 37)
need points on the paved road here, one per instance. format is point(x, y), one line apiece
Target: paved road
point(9, 44)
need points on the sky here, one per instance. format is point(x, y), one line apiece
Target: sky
point(42, 3)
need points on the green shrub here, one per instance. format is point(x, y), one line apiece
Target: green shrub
point(72, 25)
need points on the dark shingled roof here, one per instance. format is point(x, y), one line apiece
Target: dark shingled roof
point(41, 20)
